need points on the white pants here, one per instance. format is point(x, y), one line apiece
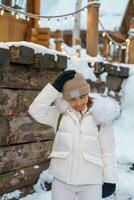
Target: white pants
point(63, 191)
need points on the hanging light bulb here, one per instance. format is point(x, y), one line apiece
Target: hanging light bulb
point(2, 11)
point(83, 12)
point(12, 13)
point(65, 19)
point(38, 21)
point(128, 41)
point(17, 16)
point(58, 22)
point(48, 20)
point(27, 18)
point(103, 34)
point(73, 16)
point(123, 47)
point(117, 46)
point(110, 43)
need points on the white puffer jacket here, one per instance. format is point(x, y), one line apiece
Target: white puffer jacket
point(81, 154)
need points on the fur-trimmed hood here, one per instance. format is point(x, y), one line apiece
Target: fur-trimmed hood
point(104, 109)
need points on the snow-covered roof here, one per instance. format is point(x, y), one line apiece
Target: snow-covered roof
point(111, 13)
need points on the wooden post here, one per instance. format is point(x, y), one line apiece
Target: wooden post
point(58, 40)
point(131, 44)
point(33, 6)
point(92, 28)
point(105, 46)
point(77, 22)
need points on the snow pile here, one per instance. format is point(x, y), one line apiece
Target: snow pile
point(81, 65)
point(11, 195)
point(39, 196)
point(40, 185)
point(37, 48)
point(125, 124)
point(40, 189)
point(3, 45)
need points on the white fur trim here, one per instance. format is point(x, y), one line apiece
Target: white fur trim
point(105, 110)
point(62, 104)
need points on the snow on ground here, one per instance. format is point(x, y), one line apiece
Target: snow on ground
point(123, 128)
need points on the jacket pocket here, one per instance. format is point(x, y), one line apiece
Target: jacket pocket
point(58, 164)
point(57, 154)
point(93, 159)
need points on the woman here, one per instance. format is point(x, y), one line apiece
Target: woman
point(83, 161)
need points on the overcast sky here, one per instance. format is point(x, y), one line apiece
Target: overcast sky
point(111, 12)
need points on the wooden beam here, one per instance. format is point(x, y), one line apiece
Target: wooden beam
point(92, 28)
point(33, 6)
point(118, 37)
point(131, 45)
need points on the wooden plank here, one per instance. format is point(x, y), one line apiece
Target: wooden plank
point(12, 29)
point(23, 155)
point(22, 129)
point(22, 178)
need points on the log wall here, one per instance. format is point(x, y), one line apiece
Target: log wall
point(24, 143)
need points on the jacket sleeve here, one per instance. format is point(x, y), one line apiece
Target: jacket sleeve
point(108, 154)
point(42, 110)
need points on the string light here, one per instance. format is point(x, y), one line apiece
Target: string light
point(17, 16)
point(2, 12)
point(128, 41)
point(123, 47)
point(8, 8)
point(103, 34)
point(39, 17)
point(83, 12)
point(118, 44)
point(65, 19)
point(12, 13)
point(73, 17)
point(38, 21)
point(58, 22)
point(27, 18)
point(110, 43)
point(48, 20)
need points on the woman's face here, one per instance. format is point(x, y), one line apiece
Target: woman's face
point(79, 103)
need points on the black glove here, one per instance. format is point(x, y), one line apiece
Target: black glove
point(62, 78)
point(108, 189)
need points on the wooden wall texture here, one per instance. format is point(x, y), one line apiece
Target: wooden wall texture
point(24, 143)
point(12, 29)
